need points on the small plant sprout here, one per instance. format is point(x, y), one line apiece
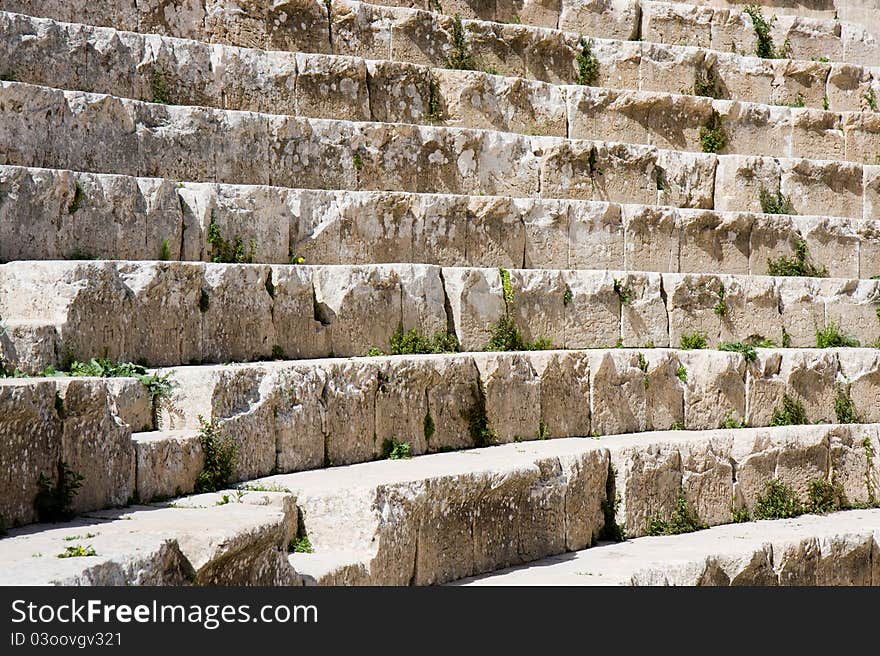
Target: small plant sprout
point(587, 64)
point(78, 551)
point(392, 449)
point(220, 452)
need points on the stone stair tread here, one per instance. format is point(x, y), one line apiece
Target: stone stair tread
point(810, 550)
point(123, 217)
point(535, 108)
point(153, 545)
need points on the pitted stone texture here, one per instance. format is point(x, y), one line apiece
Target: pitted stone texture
point(234, 544)
point(73, 421)
point(722, 308)
point(715, 389)
point(838, 549)
point(402, 517)
point(222, 312)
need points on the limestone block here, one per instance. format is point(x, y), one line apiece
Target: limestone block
point(476, 301)
point(832, 243)
point(830, 188)
point(495, 231)
point(619, 63)
point(512, 391)
point(237, 323)
point(400, 91)
point(332, 87)
point(652, 238)
point(846, 87)
point(773, 236)
point(871, 178)
point(349, 395)
point(565, 392)
point(805, 376)
point(859, 45)
point(648, 480)
point(427, 402)
point(796, 456)
point(539, 307)
point(299, 326)
point(677, 24)
point(475, 100)
point(616, 19)
point(742, 122)
point(732, 31)
point(800, 82)
point(860, 370)
point(618, 394)
point(599, 171)
point(869, 249)
point(643, 315)
point(294, 25)
point(739, 179)
point(411, 295)
point(28, 111)
point(802, 314)
point(454, 398)
point(862, 131)
point(664, 390)
point(547, 230)
point(721, 308)
point(361, 30)
point(809, 38)
point(132, 402)
point(853, 306)
point(31, 433)
point(714, 241)
point(592, 313)
point(716, 388)
point(852, 467)
point(817, 134)
point(168, 463)
point(744, 77)
point(596, 236)
point(300, 416)
point(314, 154)
point(685, 179)
point(238, 399)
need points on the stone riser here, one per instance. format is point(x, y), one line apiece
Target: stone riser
point(201, 144)
point(164, 313)
point(442, 517)
point(120, 217)
point(327, 86)
point(311, 414)
point(841, 549)
point(517, 50)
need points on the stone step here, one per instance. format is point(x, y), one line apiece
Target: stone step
point(442, 517)
point(294, 416)
point(790, 34)
point(181, 72)
point(311, 414)
point(838, 549)
point(518, 50)
point(242, 543)
point(211, 145)
point(121, 217)
point(54, 312)
point(439, 518)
